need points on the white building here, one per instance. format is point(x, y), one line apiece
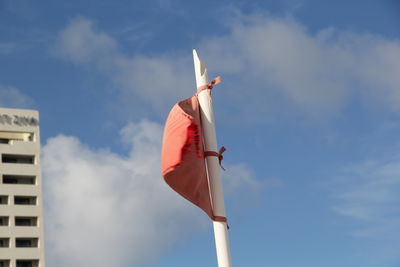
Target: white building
point(21, 210)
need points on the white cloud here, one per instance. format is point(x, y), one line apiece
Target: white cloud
point(104, 209)
point(239, 177)
point(11, 97)
point(366, 196)
point(275, 62)
point(81, 43)
point(107, 210)
point(159, 80)
point(368, 193)
point(317, 73)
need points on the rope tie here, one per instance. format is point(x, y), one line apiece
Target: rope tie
point(219, 155)
point(216, 154)
point(210, 86)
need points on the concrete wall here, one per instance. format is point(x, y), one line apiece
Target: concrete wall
point(25, 121)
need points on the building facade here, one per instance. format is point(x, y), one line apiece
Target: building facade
point(21, 209)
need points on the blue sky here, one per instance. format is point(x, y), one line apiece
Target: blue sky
point(308, 109)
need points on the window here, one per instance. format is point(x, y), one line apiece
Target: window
point(13, 158)
point(24, 200)
point(19, 179)
point(27, 263)
point(4, 243)
point(25, 221)
point(10, 137)
point(23, 242)
point(3, 201)
point(4, 263)
point(4, 221)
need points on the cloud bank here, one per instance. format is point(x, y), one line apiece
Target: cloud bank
point(104, 209)
point(11, 97)
point(276, 62)
point(368, 194)
point(287, 67)
point(158, 80)
point(107, 210)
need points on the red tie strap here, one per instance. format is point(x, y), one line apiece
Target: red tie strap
point(216, 154)
point(219, 155)
point(220, 158)
point(210, 86)
point(220, 219)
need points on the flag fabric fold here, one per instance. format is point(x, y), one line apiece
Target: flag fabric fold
point(182, 158)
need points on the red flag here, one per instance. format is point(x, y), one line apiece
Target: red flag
point(182, 158)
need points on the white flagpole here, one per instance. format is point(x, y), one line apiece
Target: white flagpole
point(214, 169)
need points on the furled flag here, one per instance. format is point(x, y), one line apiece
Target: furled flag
point(182, 158)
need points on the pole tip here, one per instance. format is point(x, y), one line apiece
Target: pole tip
point(199, 64)
point(195, 56)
